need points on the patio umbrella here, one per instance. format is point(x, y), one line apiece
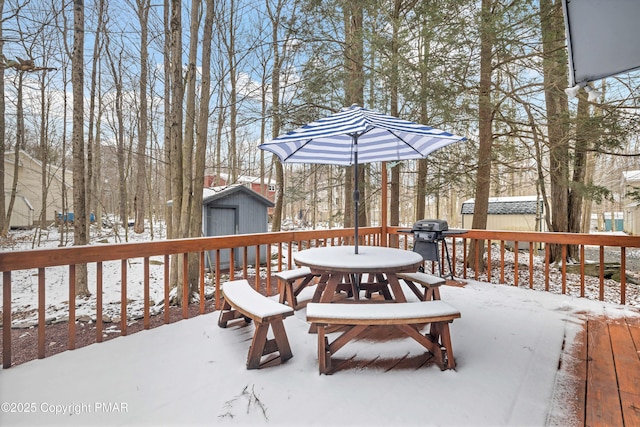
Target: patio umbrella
point(354, 136)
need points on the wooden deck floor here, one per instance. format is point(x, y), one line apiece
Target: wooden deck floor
point(607, 373)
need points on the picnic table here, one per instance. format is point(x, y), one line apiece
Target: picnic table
point(340, 265)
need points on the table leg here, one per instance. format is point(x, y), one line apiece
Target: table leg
point(392, 278)
point(332, 286)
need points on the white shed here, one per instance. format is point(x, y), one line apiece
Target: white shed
point(520, 213)
point(22, 213)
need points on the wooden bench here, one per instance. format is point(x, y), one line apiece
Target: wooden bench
point(407, 317)
point(242, 301)
point(429, 282)
point(287, 284)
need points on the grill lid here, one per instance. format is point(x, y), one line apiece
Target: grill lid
point(430, 225)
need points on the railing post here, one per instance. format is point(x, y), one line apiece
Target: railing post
point(623, 275)
point(202, 296)
point(6, 319)
point(218, 296)
point(99, 324)
point(582, 270)
point(515, 263)
point(167, 263)
point(123, 297)
point(146, 321)
point(601, 289)
point(41, 309)
point(72, 307)
point(185, 285)
point(268, 261)
point(501, 261)
point(489, 261)
point(531, 265)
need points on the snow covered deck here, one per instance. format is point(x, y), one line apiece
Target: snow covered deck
point(521, 360)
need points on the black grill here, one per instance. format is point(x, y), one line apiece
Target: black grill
point(429, 230)
point(427, 235)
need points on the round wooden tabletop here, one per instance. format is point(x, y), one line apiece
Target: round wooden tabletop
point(369, 259)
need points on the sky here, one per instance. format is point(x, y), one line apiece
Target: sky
point(507, 345)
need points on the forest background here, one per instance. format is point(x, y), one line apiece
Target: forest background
point(141, 100)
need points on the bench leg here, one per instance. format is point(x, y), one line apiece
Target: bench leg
point(261, 346)
point(282, 342)
point(257, 345)
point(227, 313)
point(286, 293)
point(441, 334)
point(303, 284)
point(431, 293)
point(324, 354)
point(421, 296)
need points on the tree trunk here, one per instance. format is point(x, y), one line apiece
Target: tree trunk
point(354, 88)
point(80, 234)
point(168, 116)
point(485, 136)
point(116, 72)
point(3, 219)
point(274, 16)
point(176, 116)
point(93, 166)
point(44, 151)
point(555, 81)
point(141, 164)
point(576, 190)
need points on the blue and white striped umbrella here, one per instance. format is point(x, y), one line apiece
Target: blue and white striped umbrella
point(354, 136)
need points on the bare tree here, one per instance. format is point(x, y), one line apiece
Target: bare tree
point(274, 12)
point(79, 186)
point(117, 75)
point(201, 137)
point(142, 10)
point(188, 207)
point(3, 218)
point(94, 162)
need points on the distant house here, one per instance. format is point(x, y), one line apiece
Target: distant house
point(251, 182)
point(521, 213)
point(29, 190)
point(631, 208)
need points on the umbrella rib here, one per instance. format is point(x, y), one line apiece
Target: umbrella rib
point(296, 150)
point(405, 142)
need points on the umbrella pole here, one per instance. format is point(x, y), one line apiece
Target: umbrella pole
point(356, 192)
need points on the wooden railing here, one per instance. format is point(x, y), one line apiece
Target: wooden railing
point(282, 244)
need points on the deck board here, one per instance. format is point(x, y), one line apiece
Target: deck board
point(603, 401)
point(612, 376)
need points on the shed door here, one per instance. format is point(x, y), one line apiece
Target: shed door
point(222, 221)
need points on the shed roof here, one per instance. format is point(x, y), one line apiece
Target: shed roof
point(215, 193)
point(506, 205)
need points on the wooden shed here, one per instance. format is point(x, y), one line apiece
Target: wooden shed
point(235, 209)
